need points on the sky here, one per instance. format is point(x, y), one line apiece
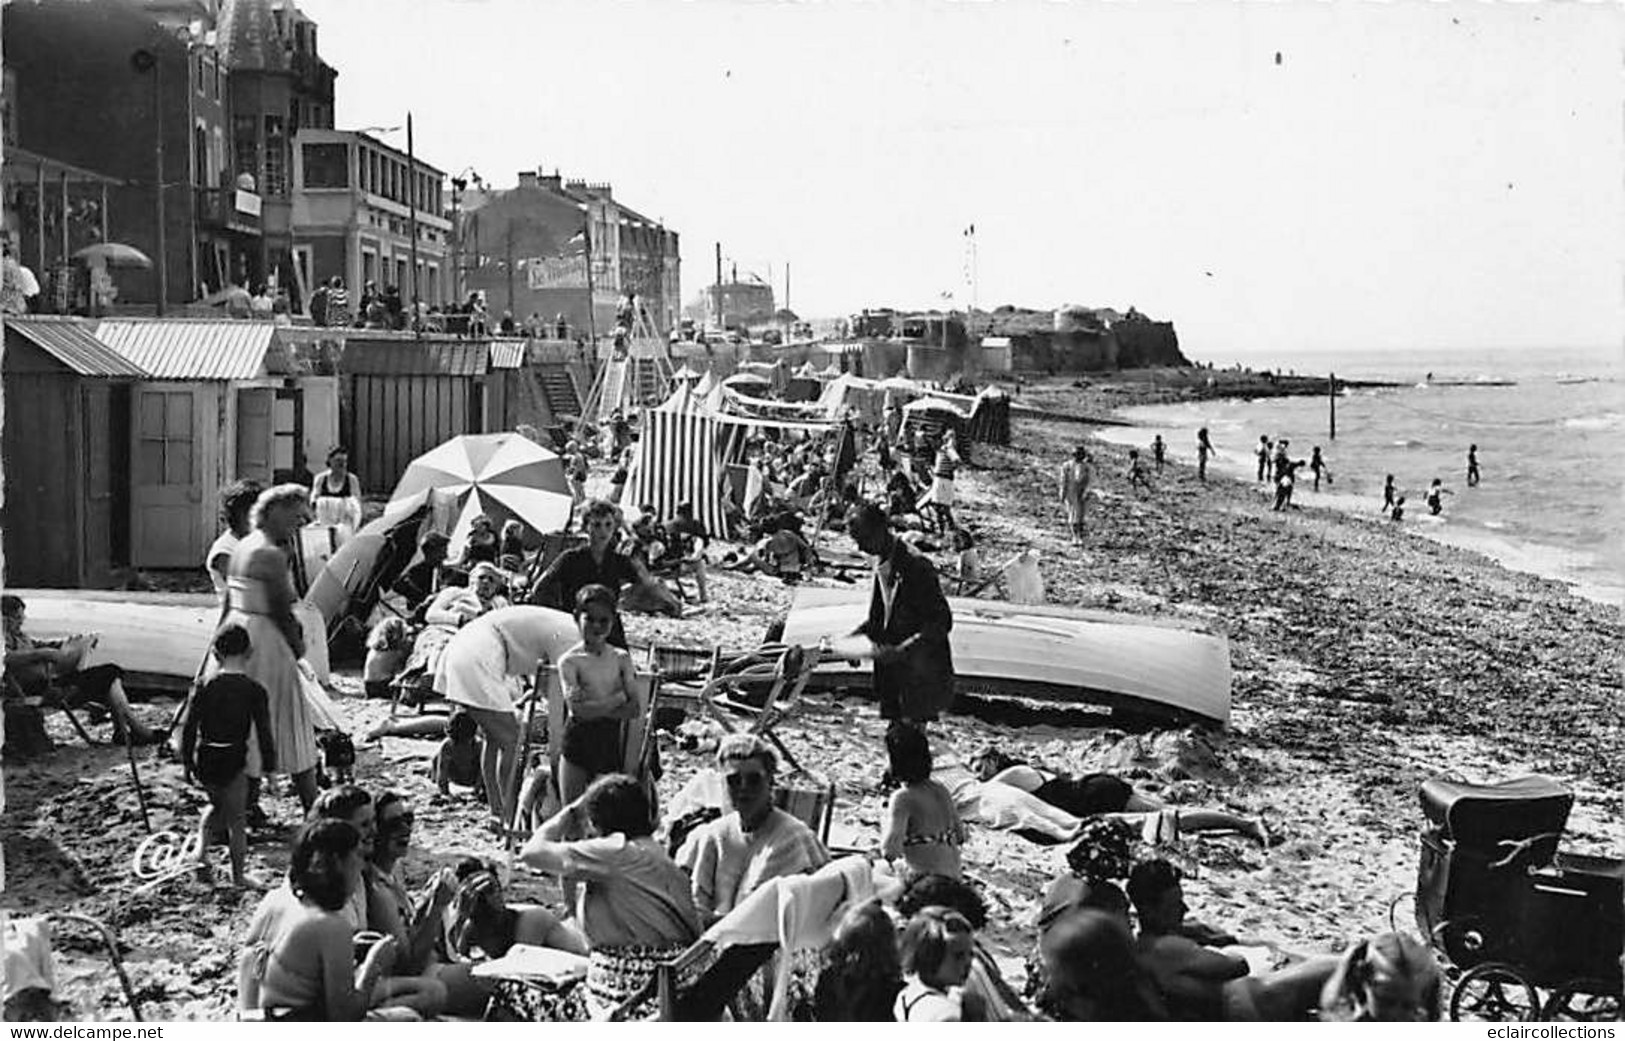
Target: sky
point(1304, 176)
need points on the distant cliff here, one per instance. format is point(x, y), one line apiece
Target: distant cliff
point(1075, 339)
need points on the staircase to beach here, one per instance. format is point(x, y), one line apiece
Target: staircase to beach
point(558, 390)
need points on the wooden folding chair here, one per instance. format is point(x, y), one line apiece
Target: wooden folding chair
point(784, 671)
point(53, 699)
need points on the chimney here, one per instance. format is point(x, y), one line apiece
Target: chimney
point(552, 182)
point(527, 178)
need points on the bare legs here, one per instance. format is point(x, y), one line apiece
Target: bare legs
point(228, 805)
point(501, 733)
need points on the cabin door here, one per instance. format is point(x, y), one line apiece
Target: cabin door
point(256, 439)
point(168, 446)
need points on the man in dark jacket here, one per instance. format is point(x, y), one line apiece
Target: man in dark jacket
point(908, 623)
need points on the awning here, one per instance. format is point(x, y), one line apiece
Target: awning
point(507, 354)
point(74, 344)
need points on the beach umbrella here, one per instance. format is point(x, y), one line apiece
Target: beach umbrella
point(750, 384)
point(503, 476)
point(113, 254)
point(372, 558)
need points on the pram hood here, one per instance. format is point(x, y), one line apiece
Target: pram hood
point(1481, 816)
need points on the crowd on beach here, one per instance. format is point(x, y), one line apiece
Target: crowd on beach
point(342, 936)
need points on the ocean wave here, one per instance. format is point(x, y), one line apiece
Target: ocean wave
point(1409, 442)
point(1600, 421)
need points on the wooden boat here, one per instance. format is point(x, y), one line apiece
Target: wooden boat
point(1128, 662)
point(158, 638)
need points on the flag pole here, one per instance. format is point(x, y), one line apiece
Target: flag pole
point(592, 322)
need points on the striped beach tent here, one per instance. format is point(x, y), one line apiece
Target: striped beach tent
point(682, 457)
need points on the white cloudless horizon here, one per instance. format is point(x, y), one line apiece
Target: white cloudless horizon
point(1404, 176)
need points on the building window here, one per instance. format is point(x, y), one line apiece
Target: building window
point(8, 106)
point(245, 138)
point(217, 78)
point(327, 166)
point(200, 156)
point(369, 266)
point(217, 159)
point(276, 158)
point(198, 70)
point(285, 434)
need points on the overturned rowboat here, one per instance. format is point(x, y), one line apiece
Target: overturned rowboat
point(159, 639)
point(1152, 667)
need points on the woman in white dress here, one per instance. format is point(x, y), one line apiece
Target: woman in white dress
point(261, 598)
point(236, 503)
point(480, 670)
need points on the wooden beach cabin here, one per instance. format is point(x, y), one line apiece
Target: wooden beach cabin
point(404, 396)
point(218, 400)
point(66, 449)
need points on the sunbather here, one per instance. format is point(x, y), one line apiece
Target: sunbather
point(922, 825)
point(634, 905)
point(1092, 973)
point(1106, 794)
point(1199, 983)
point(730, 857)
point(299, 959)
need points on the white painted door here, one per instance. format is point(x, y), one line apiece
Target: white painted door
point(168, 428)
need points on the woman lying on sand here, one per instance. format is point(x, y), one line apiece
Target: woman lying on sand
point(1103, 794)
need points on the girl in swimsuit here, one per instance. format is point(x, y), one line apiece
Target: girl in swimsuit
point(599, 684)
point(922, 825)
point(214, 747)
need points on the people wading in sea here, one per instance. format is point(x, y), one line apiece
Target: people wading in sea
point(1472, 466)
point(1436, 493)
point(1204, 448)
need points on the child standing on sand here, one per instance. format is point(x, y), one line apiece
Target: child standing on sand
point(1397, 511)
point(1159, 449)
point(1436, 493)
point(1472, 466)
point(1204, 448)
point(1137, 478)
point(1318, 467)
point(1389, 494)
point(1075, 478)
point(214, 747)
point(1263, 455)
point(599, 695)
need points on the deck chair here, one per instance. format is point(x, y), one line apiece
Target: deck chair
point(51, 699)
point(783, 671)
point(785, 916)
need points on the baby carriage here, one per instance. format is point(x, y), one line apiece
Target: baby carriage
point(1525, 931)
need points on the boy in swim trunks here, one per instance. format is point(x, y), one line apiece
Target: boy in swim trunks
point(214, 746)
point(599, 695)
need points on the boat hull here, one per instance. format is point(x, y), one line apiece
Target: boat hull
point(1050, 653)
point(159, 639)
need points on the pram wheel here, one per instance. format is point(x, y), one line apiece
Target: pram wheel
point(1494, 992)
point(1584, 1001)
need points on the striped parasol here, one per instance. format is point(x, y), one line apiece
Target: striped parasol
point(503, 476)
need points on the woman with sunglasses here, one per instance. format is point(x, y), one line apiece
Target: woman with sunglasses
point(730, 857)
point(414, 922)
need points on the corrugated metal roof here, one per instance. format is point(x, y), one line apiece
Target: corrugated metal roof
point(414, 358)
point(74, 344)
point(199, 349)
point(507, 354)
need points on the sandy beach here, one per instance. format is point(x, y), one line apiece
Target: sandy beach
point(1366, 659)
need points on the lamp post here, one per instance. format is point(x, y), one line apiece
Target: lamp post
point(145, 61)
point(457, 186)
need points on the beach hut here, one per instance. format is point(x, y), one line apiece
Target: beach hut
point(220, 400)
point(66, 445)
point(406, 396)
point(989, 420)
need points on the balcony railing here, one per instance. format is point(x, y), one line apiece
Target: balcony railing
point(230, 208)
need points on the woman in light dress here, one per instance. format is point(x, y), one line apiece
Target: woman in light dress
point(261, 597)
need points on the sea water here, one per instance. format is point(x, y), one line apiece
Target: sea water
point(1552, 498)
